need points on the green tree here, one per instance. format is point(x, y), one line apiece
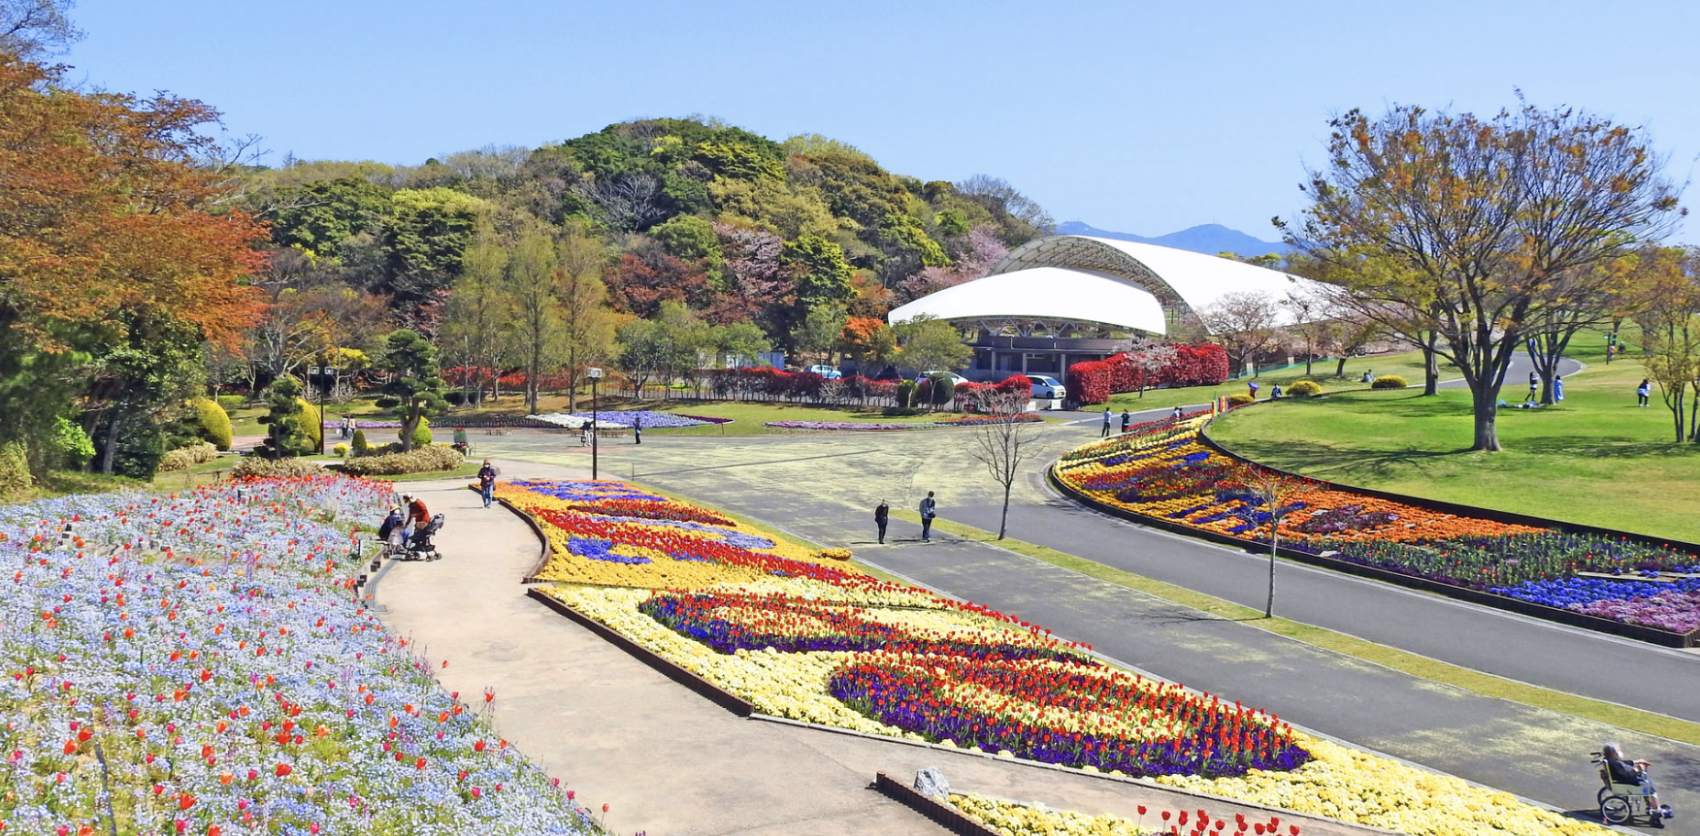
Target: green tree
point(1479, 229)
point(414, 380)
point(690, 237)
point(537, 307)
point(424, 241)
point(287, 434)
point(819, 330)
point(741, 342)
point(928, 344)
point(663, 348)
point(587, 323)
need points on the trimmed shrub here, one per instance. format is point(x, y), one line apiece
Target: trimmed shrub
point(287, 433)
point(900, 411)
point(72, 448)
point(906, 394)
point(1240, 399)
point(184, 458)
point(420, 460)
point(212, 422)
point(386, 403)
point(1304, 389)
point(14, 468)
point(1389, 381)
point(340, 450)
point(421, 433)
point(314, 425)
point(360, 447)
point(1088, 381)
point(230, 402)
point(255, 466)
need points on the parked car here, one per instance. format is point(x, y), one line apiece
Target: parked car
point(826, 372)
point(954, 377)
point(1047, 388)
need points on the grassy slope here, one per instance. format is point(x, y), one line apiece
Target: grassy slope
point(1408, 364)
point(1596, 458)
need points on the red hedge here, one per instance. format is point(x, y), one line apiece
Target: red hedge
point(1093, 381)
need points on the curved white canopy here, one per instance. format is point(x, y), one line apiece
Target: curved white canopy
point(1179, 278)
point(1044, 293)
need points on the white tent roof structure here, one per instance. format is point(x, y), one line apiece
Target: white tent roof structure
point(1044, 293)
point(1100, 281)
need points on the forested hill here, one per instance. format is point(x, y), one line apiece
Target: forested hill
point(737, 227)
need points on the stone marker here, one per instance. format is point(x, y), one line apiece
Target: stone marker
point(930, 782)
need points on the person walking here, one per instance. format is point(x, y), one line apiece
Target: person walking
point(584, 434)
point(882, 515)
point(487, 482)
point(1176, 415)
point(637, 431)
point(1534, 388)
point(1642, 391)
point(1253, 387)
point(1106, 432)
point(1127, 420)
point(929, 509)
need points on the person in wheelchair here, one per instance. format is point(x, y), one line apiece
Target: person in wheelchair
point(1625, 770)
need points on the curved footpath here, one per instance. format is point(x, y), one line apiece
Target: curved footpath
point(664, 759)
point(823, 488)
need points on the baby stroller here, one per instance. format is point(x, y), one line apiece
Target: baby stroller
point(1620, 803)
point(421, 545)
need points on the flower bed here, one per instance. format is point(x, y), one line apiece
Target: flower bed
point(960, 421)
point(364, 425)
point(1162, 470)
point(1030, 820)
point(195, 664)
point(803, 636)
point(651, 420)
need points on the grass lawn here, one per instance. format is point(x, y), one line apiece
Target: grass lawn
point(1408, 364)
point(1595, 458)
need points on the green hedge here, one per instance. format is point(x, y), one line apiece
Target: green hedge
point(230, 402)
point(420, 460)
point(259, 466)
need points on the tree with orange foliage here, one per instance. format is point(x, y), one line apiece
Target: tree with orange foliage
point(106, 220)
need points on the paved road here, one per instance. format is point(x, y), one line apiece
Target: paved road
point(822, 488)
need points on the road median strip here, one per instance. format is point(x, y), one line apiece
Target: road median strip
point(1423, 667)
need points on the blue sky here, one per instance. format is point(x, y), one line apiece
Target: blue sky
point(1136, 116)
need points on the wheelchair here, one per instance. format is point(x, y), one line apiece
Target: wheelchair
point(1621, 803)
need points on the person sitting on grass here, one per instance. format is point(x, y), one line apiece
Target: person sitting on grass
point(1627, 771)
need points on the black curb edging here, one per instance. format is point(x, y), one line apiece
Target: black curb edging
point(1650, 635)
point(939, 812)
point(708, 690)
point(544, 550)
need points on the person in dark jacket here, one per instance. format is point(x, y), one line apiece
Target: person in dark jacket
point(882, 515)
point(487, 482)
point(390, 524)
point(1625, 770)
point(929, 510)
point(1127, 420)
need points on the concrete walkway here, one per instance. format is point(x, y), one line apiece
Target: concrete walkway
point(665, 760)
point(823, 488)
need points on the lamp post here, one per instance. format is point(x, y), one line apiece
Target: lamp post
point(594, 374)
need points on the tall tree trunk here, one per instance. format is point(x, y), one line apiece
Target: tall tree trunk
point(1274, 548)
point(106, 455)
point(1003, 522)
point(1486, 409)
point(1431, 365)
point(1340, 367)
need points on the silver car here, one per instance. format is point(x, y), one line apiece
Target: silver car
point(1047, 388)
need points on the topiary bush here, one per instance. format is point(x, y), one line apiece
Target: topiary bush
point(314, 425)
point(212, 423)
point(418, 460)
point(254, 466)
point(387, 403)
point(340, 450)
point(906, 394)
point(230, 402)
point(1305, 389)
point(184, 458)
point(421, 433)
point(1240, 399)
point(14, 468)
point(286, 434)
point(1389, 381)
point(361, 446)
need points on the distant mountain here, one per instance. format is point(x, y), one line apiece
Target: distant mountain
point(1209, 239)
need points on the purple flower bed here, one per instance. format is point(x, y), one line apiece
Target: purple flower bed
point(1675, 611)
point(650, 420)
point(841, 425)
point(366, 425)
